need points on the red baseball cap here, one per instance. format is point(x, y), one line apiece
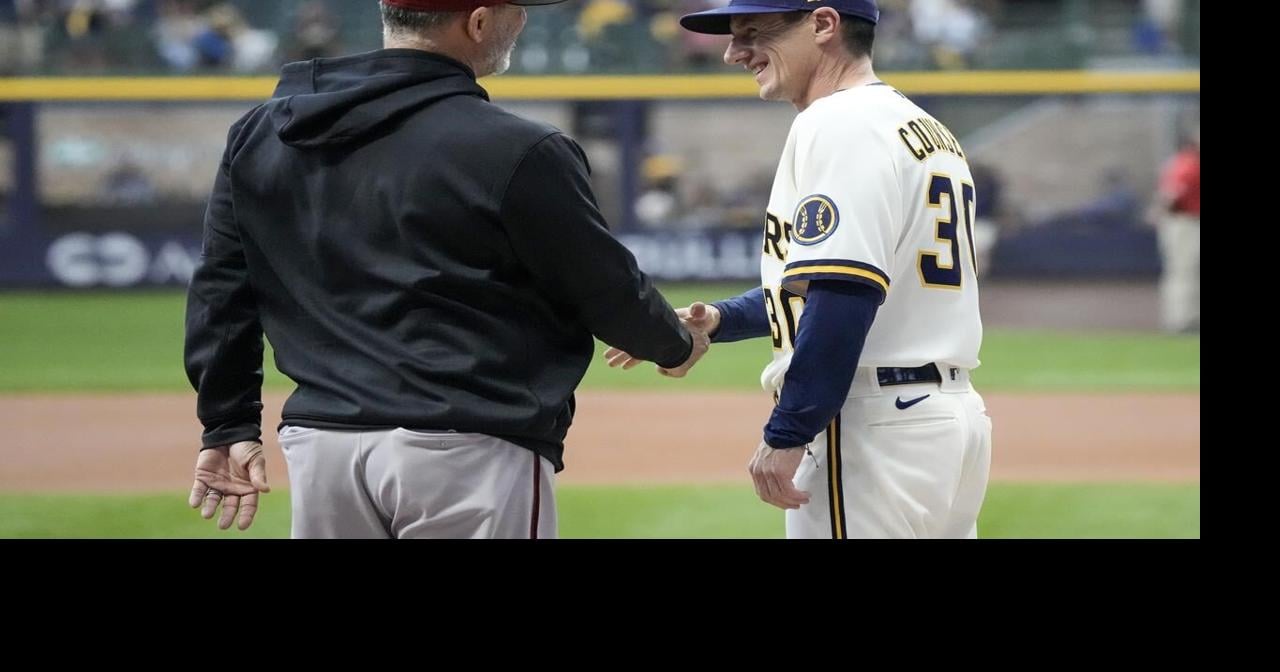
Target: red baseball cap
point(461, 5)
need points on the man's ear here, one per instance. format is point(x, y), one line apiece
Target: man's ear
point(826, 25)
point(479, 23)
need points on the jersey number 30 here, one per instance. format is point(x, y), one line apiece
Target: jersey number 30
point(932, 272)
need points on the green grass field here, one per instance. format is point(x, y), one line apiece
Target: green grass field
point(100, 342)
point(722, 512)
point(77, 342)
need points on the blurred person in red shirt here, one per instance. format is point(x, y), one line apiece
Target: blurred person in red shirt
point(1176, 215)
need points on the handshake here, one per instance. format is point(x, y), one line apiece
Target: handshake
point(700, 319)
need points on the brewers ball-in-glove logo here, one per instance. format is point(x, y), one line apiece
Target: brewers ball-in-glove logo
point(816, 219)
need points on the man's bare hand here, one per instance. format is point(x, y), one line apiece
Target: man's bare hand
point(233, 475)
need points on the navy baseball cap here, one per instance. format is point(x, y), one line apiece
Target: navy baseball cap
point(716, 21)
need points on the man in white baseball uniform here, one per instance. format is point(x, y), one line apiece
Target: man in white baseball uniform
point(869, 289)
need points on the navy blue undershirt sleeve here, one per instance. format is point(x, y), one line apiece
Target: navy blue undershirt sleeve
point(742, 317)
point(833, 329)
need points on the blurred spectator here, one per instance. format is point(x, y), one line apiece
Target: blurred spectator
point(896, 45)
point(658, 205)
point(598, 15)
point(1157, 27)
point(1117, 203)
point(990, 214)
point(228, 42)
point(217, 39)
point(697, 50)
point(14, 22)
point(619, 35)
point(8, 37)
point(212, 42)
point(596, 35)
point(950, 29)
point(316, 33)
point(81, 26)
point(175, 32)
point(1175, 212)
point(703, 207)
point(127, 184)
point(744, 204)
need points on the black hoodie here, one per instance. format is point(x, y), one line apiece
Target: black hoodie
point(417, 257)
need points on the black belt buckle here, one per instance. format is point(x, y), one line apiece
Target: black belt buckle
point(890, 375)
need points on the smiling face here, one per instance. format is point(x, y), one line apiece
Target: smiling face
point(779, 49)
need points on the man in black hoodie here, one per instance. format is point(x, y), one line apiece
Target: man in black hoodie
point(430, 270)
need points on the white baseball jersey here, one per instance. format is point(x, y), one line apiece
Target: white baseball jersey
point(872, 189)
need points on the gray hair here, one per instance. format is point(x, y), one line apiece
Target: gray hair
point(409, 22)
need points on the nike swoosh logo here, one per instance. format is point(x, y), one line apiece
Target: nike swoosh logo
point(903, 405)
